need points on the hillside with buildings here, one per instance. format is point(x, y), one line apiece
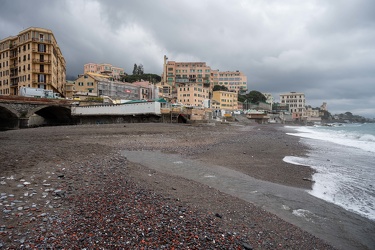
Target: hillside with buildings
point(32, 59)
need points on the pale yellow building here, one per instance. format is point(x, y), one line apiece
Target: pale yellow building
point(104, 69)
point(31, 59)
point(192, 94)
point(225, 100)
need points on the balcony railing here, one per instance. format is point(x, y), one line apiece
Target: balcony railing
point(42, 52)
point(41, 40)
point(41, 61)
point(182, 80)
point(44, 71)
point(14, 65)
point(42, 82)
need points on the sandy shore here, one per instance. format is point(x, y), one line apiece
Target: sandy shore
point(71, 187)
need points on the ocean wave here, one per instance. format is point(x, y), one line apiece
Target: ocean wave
point(354, 139)
point(367, 137)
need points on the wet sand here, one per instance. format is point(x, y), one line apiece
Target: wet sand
point(77, 160)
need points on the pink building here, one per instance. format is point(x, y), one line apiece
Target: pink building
point(148, 90)
point(104, 69)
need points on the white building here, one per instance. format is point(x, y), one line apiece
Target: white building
point(269, 97)
point(296, 104)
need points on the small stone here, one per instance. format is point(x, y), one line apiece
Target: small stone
point(218, 215)
point(246, 246)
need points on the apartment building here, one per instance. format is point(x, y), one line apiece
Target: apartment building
point(192, 94)
point(296, 103)
point(179, 74)
point(191, 82)
point(225, 100)
point(31, 59)
point(148, 91)
point(104, 69)
point(234, 81)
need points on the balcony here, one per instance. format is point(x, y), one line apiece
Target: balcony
point(39, 71)
point(41, 61)
point(182, 80)
point(14, 65)
point(41, 40)
point(41, 52)
point(44, 82)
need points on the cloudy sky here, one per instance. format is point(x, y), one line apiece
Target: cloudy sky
point(325, 49)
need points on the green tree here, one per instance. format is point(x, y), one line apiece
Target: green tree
point(135, 69)
point(143, 77)
point(220, 88)
point(140, 70)
point(255, 97)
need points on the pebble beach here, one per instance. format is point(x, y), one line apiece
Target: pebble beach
point(69, 187)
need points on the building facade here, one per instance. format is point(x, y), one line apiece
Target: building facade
point(190, 83)
point(225, 100)
point(234, 81)
point(180, 74)
point(269, 98)
point(31, 59)
point(296, 104)
point(104, 69)
point(148, 91)
point(192, 94)
point(96, 85)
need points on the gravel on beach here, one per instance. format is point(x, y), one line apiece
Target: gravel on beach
point(69, 188)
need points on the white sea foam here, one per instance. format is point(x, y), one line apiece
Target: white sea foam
point(345, 175)
point(339, 136)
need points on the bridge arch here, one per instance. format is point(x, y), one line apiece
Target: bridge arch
point(50, 115)
point(9, 117)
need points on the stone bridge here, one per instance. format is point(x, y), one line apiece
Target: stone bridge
point(23, 112)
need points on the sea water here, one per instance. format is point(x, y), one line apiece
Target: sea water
point(343, 156)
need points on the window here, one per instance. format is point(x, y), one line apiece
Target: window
point(41, 48)
point(41, 78)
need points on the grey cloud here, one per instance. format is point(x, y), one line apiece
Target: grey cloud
point(323, 48)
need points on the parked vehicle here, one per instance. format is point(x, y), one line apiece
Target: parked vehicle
point(38, 93)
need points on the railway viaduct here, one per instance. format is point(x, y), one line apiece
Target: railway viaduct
point(23, 112)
